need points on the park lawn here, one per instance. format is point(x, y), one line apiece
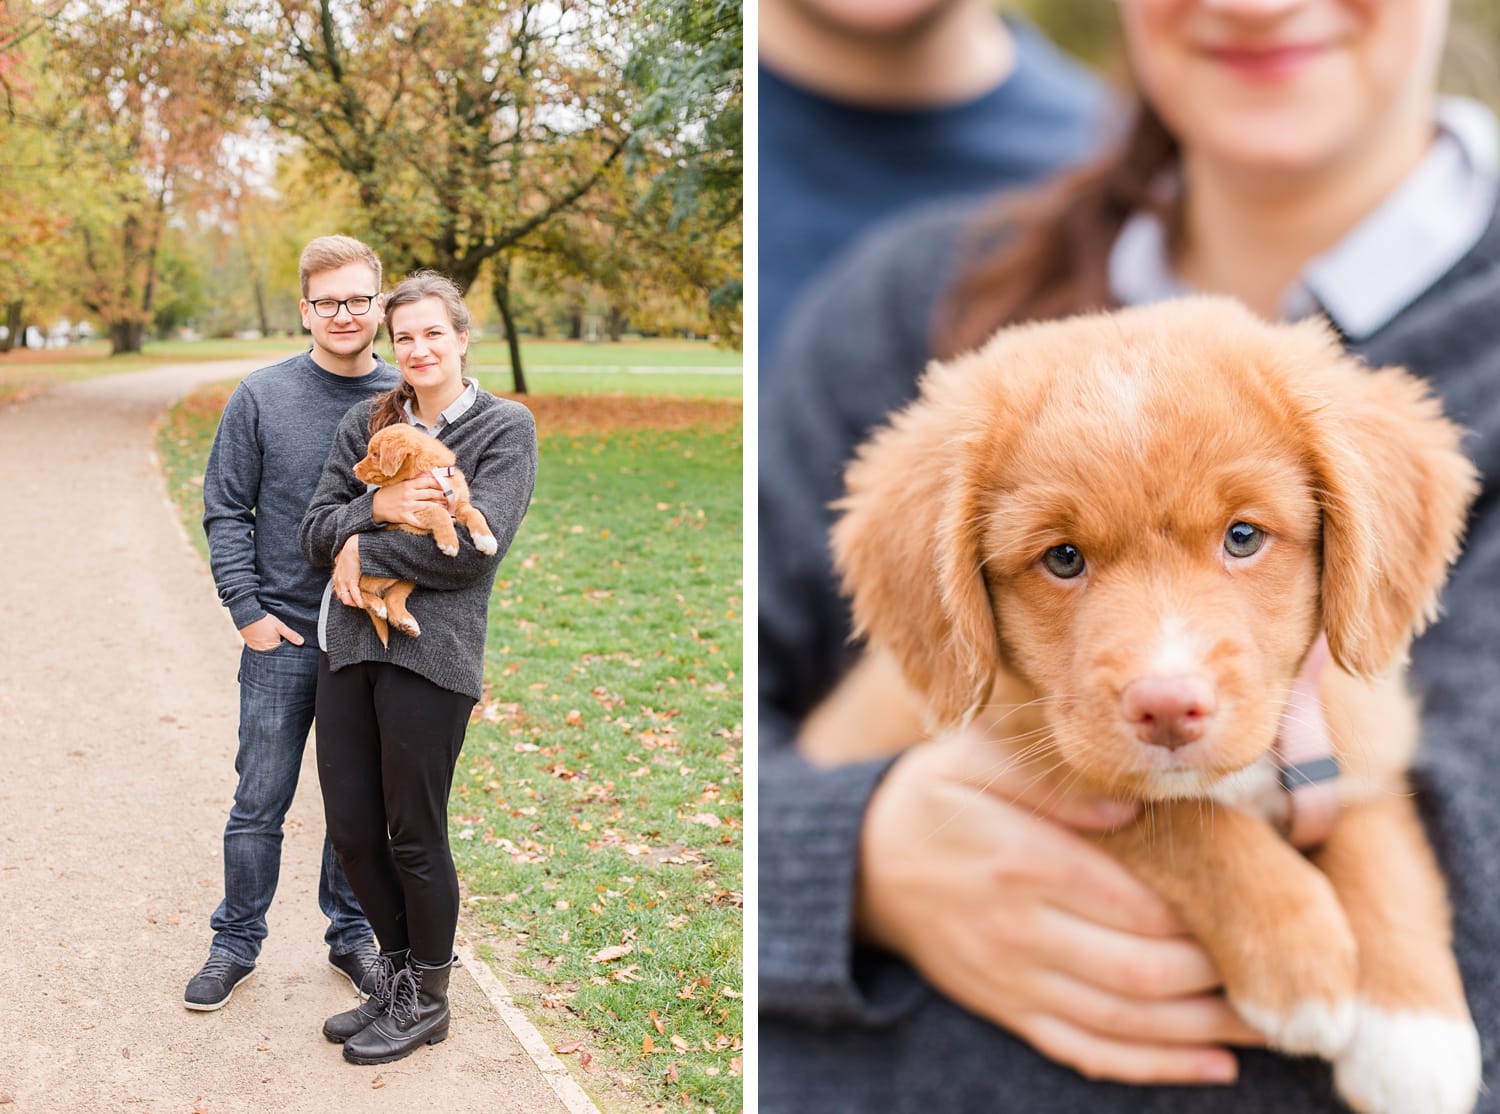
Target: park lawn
point(597, 809)
point(634, 366)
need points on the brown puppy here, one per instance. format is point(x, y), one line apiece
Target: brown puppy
point(401, 452)
point(1113, 541)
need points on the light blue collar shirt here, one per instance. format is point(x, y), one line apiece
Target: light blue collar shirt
point(1426, 225)
point(450, 412)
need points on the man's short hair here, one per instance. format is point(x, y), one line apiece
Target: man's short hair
point(328, 253)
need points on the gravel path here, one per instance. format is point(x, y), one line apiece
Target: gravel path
point(118, 713)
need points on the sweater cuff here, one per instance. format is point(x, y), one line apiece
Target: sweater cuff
point(245, 611)
point(357, 517)
point(810, 967)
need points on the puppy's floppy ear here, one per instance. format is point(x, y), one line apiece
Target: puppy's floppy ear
point(1395, 491)
point(908, 549)
point(392, 453)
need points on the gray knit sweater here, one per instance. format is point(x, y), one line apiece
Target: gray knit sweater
point(845, 1028)
point(266, 458)
point(495, 441)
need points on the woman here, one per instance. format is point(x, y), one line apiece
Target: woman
point(390, 723)
point(931, 938)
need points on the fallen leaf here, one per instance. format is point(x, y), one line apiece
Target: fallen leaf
point(660, 1028)
point(672, 1073)
point(378, 1082)
point(647, 1045)
point(678, 1043)
point(568, 1048)
point(614, 951)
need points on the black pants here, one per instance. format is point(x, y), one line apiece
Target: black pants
point(388, 740)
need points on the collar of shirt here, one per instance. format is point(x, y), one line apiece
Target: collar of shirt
point(451, 411)
point(1428, 224)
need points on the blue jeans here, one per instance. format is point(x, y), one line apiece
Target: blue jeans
point(277, 693)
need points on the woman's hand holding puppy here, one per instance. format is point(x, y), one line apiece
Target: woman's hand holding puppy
point(969, 870)
point(405, 502)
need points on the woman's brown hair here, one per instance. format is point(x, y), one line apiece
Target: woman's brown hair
point(390, 407)
point(1045, 253)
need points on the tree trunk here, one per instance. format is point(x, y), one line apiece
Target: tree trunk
point(15, 336)
point(575, 326)
point(126, 337)
point(501, 289)
point(616, 323)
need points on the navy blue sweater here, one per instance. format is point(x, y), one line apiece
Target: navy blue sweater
point(828, 171)
point(266, 458)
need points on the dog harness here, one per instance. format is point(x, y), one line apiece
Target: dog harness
point(1306, 767)
point(441, 475)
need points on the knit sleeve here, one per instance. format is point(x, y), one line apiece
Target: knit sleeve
point(340, 506)
point(231, 490)
point(501, 478)
point(851, 354)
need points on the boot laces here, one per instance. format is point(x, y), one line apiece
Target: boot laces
point(383, 974)
point(404, 988)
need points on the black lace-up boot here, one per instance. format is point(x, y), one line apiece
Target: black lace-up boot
point(341, 1026)
point(418, 1015)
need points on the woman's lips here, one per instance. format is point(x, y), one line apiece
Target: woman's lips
point(1266, 63)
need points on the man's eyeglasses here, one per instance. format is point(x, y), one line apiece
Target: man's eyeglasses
point(359, 305)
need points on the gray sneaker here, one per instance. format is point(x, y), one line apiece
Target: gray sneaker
point(360, 966)
point(214, 983)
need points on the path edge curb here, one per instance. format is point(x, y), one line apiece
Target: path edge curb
point(553, 1070)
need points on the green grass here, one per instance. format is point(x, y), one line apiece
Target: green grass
point(634, 366)
point(597, 809)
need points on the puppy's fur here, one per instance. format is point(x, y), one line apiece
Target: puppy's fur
point(402, 452)
point(1140, 438)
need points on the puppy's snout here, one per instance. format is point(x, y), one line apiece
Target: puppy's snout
point(1169, 712)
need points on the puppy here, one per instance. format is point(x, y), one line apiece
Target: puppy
point(1113, 542)
point(402, 452)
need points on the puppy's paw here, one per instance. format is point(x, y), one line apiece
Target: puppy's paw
point(407, 626)
point(375, 606)
point(486, 544)
point(1308, 1028)
point(447, 550)
point(1409, 1062)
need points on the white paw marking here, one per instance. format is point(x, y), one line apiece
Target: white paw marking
point(485, 544)
point(1406, 1062)
point(450, 550)
point(409, 626)
point(1315, 1028)
point(376, 606)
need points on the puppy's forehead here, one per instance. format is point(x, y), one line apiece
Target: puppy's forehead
point(1136, 407)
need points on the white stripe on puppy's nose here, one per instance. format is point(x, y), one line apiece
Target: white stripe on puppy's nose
point(1171, 711)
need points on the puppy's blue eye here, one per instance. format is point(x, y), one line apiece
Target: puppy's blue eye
point(1243, 540)
point(1063, 561)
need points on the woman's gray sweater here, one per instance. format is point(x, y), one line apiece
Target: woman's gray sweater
point(495, 441)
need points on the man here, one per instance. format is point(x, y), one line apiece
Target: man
point(870, 106)
point(266, 458)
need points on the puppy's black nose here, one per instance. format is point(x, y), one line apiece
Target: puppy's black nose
point(1169, 712)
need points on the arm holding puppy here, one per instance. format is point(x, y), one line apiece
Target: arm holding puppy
point(501, 475)
point(937, 868)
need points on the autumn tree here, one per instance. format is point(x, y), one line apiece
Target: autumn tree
point(467, 128)
point(148, 93)
point(661, 232)
point(31, 223)
point(463, 126)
